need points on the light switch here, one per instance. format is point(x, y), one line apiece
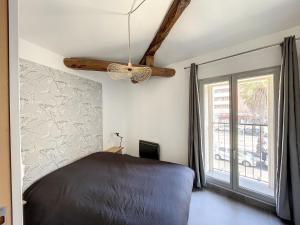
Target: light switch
point(2, 216)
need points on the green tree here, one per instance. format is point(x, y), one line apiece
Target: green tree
point(254, 94)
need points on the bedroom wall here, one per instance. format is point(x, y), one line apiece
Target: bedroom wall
point(160, 106)
point(61, 119)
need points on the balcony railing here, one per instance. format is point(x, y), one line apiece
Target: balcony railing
point(252, 149)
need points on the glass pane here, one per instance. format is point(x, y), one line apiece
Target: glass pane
point(255, 134)
point(217, 131)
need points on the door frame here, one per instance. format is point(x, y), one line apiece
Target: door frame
point(15, 138)
point(5, 165)
point(233, 78)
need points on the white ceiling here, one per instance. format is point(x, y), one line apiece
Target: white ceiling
point(85, 28)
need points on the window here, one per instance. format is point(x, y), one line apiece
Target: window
point(238, 117)
point(217, 125)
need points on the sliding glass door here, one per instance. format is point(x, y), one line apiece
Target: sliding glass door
point(238, 117)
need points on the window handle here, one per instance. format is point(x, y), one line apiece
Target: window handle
point(234, 154)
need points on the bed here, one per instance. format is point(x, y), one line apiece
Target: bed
point(106, 188)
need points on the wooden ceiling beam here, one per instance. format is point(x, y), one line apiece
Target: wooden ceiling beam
point(101, 65)
point(174, 12)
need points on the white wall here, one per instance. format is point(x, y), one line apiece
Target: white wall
point(17, 206)
point(116, 94)
point(160, 106)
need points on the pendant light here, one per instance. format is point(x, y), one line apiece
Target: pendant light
point(136, 74)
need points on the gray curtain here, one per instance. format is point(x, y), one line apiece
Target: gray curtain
point(195, 145)
point(288, 141)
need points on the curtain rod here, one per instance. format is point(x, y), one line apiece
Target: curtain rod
point(238, 54)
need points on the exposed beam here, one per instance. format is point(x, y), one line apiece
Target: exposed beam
point(150, 60)
point(101, 65)
point(174, 12)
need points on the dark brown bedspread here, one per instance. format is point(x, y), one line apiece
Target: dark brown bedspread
point(111, 189)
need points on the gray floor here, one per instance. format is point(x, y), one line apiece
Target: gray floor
point(209, 208)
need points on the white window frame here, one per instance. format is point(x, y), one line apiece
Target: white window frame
point(233, 185)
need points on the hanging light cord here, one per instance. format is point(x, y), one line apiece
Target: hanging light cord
point(138, 6)
point(132, 10)
point(129, 35)
point(128, 14)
